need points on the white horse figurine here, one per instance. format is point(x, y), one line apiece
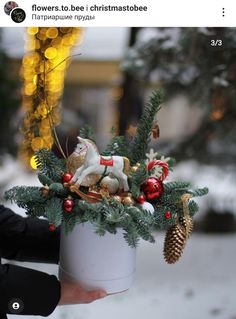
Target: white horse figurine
point(97, 164)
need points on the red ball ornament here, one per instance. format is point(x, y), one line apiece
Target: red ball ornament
point(152, 188)
point(52, 227)
point(168, 215)
point(66, 177)
point(141, 199)
point(68, 205)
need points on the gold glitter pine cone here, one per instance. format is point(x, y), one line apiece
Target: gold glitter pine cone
point(187, 222)
point(175, 241)
point(176, 238)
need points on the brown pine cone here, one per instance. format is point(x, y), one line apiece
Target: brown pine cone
point(187, 222)
point(175, 241)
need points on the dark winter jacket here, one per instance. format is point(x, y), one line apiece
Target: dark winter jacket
point(23, 290)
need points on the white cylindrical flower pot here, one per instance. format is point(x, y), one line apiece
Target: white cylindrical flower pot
point(105, 262)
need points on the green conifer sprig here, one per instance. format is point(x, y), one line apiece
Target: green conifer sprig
point(193, 207)
point(138, 178)
point(199, 192)
point(29, 198)
point(22, 195)
point(69, 221)
point(44, 179)
point(144, 222)
point(131, 235)
point(49, 165)
point(172, 198)
point(54, 211)
point(141, 140)
point(161, 222)
point(168, 187)
point(117, 146)
point(87, 132)
point(59, 190)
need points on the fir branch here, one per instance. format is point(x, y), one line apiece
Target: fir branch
point(100, 229)
point(35, 210)
point(117, 146)
point(87, 132)
point(172, 198)
point(54, 211)
point(69, 221)
point(27, 197)
point(138, 179)
point(193, 207)
point(168, 187)
point(49, 165)
point(140, 142)
point(143, 221)
point(160, 221)
point(199, 192)
point(44, 179)
point(112, 228)
point(59, 190)
point(131, 236)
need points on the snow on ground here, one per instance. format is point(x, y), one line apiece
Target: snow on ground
point(201, 285)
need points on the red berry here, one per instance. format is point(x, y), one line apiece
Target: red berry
point(68, 204)
point(141, 199)
point(66, 177)
point(52, 227)
point(168, 215)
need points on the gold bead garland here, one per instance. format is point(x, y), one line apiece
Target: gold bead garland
point(43, 72)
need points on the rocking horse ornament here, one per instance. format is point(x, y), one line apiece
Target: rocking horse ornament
point(94, 163)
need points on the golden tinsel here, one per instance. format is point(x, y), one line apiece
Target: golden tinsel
point(176, 238)
point(43, 72)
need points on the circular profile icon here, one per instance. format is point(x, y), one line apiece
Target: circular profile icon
point(9, 6)
point(15, 305)
point(18, 15)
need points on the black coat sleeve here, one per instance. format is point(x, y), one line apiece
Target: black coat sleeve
point(27, 239)
point(38, 292)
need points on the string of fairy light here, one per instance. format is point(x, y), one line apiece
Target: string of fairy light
point(43, 72)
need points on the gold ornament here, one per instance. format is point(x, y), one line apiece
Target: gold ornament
point(135, 167)
point(128, 200)
point(74, 161)
point(111, 184)
point(117, 198)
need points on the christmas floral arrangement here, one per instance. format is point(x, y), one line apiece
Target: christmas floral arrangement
point(124, 187)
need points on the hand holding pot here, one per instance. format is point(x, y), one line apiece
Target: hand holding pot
point(73, 293)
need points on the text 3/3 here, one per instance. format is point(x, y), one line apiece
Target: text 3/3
point(216, 43)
